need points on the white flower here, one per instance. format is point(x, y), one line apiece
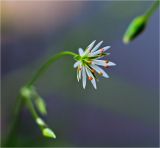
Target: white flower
point(88, 63)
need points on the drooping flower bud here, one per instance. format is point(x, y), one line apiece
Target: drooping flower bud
point(47, 132)
point(40, 104)
point(135, 28)
point(40, 122)
point(26, 92)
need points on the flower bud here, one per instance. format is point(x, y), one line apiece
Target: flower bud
point(40, 122)
point(136, 27)
point(47, 132)
point(26, 92)
point(41, 106)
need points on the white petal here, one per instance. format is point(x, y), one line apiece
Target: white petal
point(99, 62)
point(95, 53)
point(111, 64)
point(76, 64)
point(80, 71)
point(77, 74)
point(102, 50)
point(97, 46)
point(91, 45)
point(91, 75)
point(100, 70)
point(106, 48)
point(89, 48)
point(83, 77)
point(80, 50)
point(101, 57)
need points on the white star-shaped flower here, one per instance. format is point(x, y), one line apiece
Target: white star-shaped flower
point(88, 63)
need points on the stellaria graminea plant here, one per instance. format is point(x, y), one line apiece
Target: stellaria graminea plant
point(88, 62)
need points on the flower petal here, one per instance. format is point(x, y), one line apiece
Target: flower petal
point(80, 70)
point(91, 45)
point(99, 57)
point(76, 64)
point(100, 70)
point(80, 50)
point(102, 50)
point(88, 49)
point(97, 46)
point(93, 79)
point(106, 48)
point(77, 74)
point(92, 54)
point(99, 62)
point(111, 64)
point(83, 77)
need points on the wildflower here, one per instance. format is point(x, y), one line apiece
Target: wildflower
point(88, 63)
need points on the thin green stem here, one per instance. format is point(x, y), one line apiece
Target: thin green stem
point(152, 9)
point(13, 129)
point(28, 101)
point(45, 66)
point(31, 108)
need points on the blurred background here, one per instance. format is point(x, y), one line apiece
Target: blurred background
point(123, 112)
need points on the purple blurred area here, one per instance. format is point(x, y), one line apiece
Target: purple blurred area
point(123, 112)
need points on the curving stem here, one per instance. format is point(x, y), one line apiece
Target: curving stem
point(22, 99)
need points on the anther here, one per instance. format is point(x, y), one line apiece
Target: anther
point(93, 71)
point(90, 78)
point(101, 50)
point(106, 66)
point(107, 61)
point(79, 68)
point(89, 62)
point(101, 74)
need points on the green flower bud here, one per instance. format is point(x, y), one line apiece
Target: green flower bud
point(136, 27)
point(48, 133)
point(40, 122)
point(26, 92)
point(41, 106)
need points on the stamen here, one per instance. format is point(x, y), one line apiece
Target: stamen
point(101, 50)
point(107, 61)
point(101, 74)
point(80, 68)
point(106, 66)
point(89, 62)
point(93, 71)
point(90, 78)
